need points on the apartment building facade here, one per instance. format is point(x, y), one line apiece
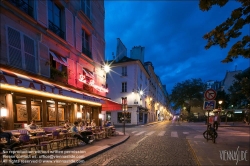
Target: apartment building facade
point(51, 61)
point(136, 81)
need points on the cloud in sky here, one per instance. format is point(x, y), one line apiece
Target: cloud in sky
point(172, 34)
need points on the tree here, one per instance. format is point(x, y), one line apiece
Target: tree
point(221, 95)
point(188, 93)
point(240, 90)
point(222, 34)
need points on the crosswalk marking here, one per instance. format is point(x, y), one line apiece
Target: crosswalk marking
point(150, 133)
point(185, 132)
point(140, 133)
point(162, 133)
point(134, 132)
point(174, 134)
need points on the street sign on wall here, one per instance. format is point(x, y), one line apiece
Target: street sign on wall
point(209, 105)
point(210, 94)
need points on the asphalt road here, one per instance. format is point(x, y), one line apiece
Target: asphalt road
point(164, 143)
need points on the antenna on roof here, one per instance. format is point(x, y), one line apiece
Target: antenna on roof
point(235, 67)
point(113, 55)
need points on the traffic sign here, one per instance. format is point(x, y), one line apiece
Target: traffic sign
point(209, 105)
point(210, 94)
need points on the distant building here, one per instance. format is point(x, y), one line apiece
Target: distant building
point(121, 50)
point(229, 80)
point(137, 52)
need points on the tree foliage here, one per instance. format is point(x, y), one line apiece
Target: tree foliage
point(240, 90)
point(221, 95)
point(188, 93)
point(229, 29)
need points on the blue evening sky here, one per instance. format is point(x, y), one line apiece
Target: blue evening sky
point(172, 34)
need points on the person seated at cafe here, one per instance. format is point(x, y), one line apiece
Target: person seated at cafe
point(83, 130)
point(66, 125)
point(76, 133)
point(93, 124)
point(11, 143)
point(81, 126)
point(32, 125)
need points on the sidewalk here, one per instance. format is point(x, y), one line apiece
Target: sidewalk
point(76, 155)
point(231, 147)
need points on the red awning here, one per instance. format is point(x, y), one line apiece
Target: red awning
point(110, 105)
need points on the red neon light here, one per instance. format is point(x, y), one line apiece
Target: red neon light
point(91, 82)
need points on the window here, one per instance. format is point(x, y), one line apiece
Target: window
point(21, 49)
point(55, 18)
point(124, 71)
point(86, 44)
point(124, 87)
point(58, 67)
point(85, 6)
point(121, 116)
point(24, 5)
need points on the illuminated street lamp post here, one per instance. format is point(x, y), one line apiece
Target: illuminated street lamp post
point(124, 110)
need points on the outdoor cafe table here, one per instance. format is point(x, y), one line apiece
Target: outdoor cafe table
point(16, 134)
point(38, 138)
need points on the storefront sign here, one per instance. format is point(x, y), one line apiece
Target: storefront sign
point(40, 85)
point(91, 82)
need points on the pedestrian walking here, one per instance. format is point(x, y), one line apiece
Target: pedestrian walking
point(216, 121)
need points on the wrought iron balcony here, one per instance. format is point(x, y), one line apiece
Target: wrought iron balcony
point(56, 29)
point(86, 52)
point(23, 6)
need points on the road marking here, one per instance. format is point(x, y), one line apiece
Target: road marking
point(134, 132)
point(141, 140)
point(185, 132)
point(140, 133)
point(174, 134)
point(198, 136)
point(162, 133)
point(150, 133)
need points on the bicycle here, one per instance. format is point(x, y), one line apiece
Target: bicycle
point(210, 133)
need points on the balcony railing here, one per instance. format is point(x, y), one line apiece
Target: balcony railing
point(86, 52)
point(56, 29)
point(23, 6)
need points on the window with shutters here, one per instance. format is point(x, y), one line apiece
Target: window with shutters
point(85, 6)
point(124, 87)
point(55, 18)
point(24, 5)
point(86, 44)
point(21, 51)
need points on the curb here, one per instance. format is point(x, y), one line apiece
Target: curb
point(99, 152)
point(194, 154)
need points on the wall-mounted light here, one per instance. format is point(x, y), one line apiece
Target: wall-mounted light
point(100, 116)
point(79, 115)
point(3, 113)
point(106, 68)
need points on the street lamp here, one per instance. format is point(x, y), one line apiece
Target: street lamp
point(124, 110)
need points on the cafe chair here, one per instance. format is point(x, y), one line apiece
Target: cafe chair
point(56, 139)
point(23, 131)
point(26, 144)
point(45, 142)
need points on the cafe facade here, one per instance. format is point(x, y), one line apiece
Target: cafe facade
point(52, 63)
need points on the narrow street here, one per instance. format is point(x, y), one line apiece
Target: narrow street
point(160, 144)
